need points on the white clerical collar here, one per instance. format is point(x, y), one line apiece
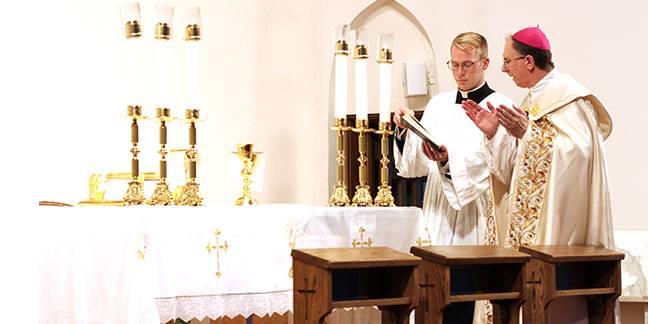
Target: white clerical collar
point(464, 94)
point(538, 87)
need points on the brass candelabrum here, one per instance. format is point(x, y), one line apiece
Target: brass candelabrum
point(362, 197)
point(191, 193)
point(135, 192)
point(384, 197)
point(340, 195)
point(162, 195)
point(247, 155)
point(97, 194)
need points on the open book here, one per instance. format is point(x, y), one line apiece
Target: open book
point(415, 126)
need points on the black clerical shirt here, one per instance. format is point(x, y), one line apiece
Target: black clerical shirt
point(476, 95)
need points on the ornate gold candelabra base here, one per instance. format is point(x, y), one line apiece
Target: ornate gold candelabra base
point(362, 197)
point(190, 195)
point(135, 193)
point(162, 195)
point(384, 197)
point(340, 197)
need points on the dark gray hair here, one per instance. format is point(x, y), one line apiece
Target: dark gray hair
point(541, 58)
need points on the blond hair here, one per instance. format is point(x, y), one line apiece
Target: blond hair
point(470, 40)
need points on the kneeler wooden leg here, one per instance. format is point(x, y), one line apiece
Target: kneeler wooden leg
point(601, 309)
point(311, 305)
point(506, 311)
point(395, 314)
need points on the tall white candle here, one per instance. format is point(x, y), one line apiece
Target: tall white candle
point(192, 75)
point(134, 52)
point(162, 41)
point(384, 91)
point(360, 55)
point(341, 86)
point(361, 89)
point(134, 92)
point(341, 50)
point(162, 49)
point(193, 53)
point(384, 58)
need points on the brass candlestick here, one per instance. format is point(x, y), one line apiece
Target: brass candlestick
point(135, 193)
point(162, 195)
point(384, 197)
point(340, 196)
point(362, 197)
point(247, 155)
point(191, 194)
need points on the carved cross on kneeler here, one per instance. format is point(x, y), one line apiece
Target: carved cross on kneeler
point(427, 284)
point(533, 286)
point(306, 297)
point(218, 247)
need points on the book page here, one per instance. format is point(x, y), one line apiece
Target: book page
point(415, 126)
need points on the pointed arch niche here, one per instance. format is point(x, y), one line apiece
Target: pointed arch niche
point(411, 43)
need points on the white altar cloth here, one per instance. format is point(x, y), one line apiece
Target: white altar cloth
point(151, 264)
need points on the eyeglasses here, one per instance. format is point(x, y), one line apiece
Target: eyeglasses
point(507, 62)
point(454, 66)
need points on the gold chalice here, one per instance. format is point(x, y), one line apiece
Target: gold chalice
point(246, 154)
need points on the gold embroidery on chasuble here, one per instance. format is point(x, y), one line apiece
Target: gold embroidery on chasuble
point(532, 176)
point(490, 234)
point(490, 238)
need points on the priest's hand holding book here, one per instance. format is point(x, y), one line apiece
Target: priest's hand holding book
point(438, 155)
point(398, 116)
point(404, 118)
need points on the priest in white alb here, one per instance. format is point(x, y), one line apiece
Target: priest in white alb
point(457, 196)
point(557, 176)
point(457, 191)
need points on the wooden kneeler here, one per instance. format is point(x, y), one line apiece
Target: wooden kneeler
point(573, 270)
point(456, 274)
point(324, 279)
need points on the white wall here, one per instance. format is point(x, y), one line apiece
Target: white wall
point(266, 80)
point(257, 86)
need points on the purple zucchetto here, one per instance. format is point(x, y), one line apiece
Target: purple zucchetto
point(534, 37)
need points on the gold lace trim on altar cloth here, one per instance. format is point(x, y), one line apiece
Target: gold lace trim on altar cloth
point(532, 178)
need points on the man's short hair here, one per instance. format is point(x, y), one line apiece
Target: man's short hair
point(542, 58)
point(471, 40)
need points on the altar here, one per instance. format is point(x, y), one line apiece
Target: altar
point(154, 264)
